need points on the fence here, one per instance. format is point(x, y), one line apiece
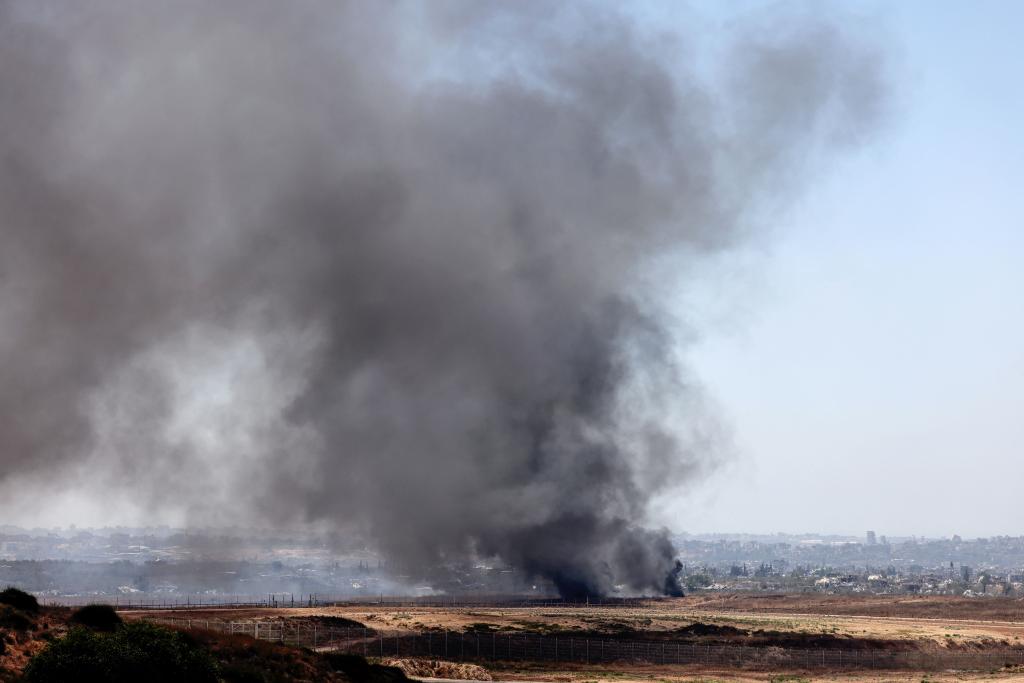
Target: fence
point(536, 647)
point(277, 600)
point(994, 609)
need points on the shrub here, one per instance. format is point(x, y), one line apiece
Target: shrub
point(244, 672)
point(362, 671)
point(19, 599)
point(13, 619)
point(97, 617)
point(134, 652)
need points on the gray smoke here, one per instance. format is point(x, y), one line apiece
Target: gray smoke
point(400, 267)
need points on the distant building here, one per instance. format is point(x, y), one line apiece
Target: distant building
point(871, 538)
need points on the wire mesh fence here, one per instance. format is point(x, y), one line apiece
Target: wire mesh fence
point(995, 610)
point(535, 647)
point(278, 600)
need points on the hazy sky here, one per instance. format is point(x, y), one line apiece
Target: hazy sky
point(870, 357)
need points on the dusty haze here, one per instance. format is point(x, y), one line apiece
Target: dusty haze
point(396, 267)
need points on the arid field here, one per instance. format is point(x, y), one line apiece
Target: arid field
point(933, 629)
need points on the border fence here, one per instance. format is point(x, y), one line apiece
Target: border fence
point(999, 610)
point(279, 600)
point(536, 647)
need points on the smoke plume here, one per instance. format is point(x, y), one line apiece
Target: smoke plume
point(400, 267)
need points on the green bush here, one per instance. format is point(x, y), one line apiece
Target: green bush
point(133, 652)
point(19, 599)
point(97, 617)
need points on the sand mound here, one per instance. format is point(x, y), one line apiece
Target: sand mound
point(434, 668)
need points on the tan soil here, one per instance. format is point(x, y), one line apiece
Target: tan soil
point(435, 668)
point(943, 622)
point(711, 675)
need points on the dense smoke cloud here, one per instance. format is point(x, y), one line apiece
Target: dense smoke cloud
point(385, 265)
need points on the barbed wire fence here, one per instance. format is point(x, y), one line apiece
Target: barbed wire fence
point(536, 647)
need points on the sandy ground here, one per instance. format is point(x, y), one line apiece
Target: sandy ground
point(731, 676)
point(940, 623)
point(960, 627)
point(926, 606)
point(674, 674)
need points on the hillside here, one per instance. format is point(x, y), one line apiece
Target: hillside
point(239, 658)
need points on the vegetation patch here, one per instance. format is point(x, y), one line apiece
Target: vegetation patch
point(97, 617)
point(542, 627)
point(334, 622)
point(19, 599)
point(482, 627)
point(14, 619)
point(133, 652)
point(360, 670)
point(701, 629)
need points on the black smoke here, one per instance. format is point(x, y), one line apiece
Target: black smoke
point(401, 267)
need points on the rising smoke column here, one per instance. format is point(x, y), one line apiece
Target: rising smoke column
point(385, 265)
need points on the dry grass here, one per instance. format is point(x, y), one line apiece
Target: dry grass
point(931, 623)
point(964, 624)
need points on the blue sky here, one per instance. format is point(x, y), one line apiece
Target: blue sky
point(870, 355)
